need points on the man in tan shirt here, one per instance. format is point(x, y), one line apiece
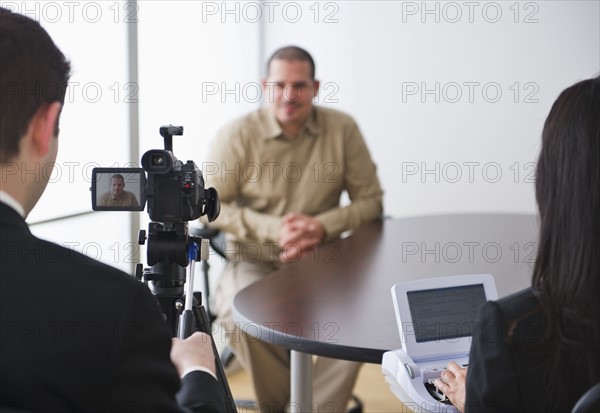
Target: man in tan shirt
point(117, 195)
point(280, 172)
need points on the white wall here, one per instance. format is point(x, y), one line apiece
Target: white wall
point(93, 126)
point(200, 63)
point(380, 56)
point(184, 59)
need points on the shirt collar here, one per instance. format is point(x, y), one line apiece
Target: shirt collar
point(273, 130)
point(7, 199)
point(313, 126)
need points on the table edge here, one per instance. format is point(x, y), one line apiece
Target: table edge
point(308, 346)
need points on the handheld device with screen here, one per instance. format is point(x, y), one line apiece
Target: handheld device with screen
point(436, 318)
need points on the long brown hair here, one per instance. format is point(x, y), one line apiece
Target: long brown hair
point(566, 276)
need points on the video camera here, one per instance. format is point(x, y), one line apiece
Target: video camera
point(175, 194)
point(174, 191)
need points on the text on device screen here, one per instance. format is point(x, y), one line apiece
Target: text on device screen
point(445, 313)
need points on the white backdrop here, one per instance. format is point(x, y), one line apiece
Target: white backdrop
point(451, 96)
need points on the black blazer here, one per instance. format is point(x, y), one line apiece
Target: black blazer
point(503, 376)
point(78, 335)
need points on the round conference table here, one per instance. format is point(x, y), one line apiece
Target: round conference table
point(336, 301)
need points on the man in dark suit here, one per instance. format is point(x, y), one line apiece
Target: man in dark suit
point(76, 335)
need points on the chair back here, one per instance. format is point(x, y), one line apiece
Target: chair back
point(215, 238)
point(589, 402)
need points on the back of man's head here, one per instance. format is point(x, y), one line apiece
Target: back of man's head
point(291, 53)
point(33, 72)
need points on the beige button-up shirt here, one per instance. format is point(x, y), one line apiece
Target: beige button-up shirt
point(126, 199)
point(261, 175)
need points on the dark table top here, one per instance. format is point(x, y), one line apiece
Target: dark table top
point(336, 302)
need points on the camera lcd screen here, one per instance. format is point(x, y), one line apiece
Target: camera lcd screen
point(118, 189)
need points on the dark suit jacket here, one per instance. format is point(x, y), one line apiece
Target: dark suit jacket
point(507, 376)
point(78, 335)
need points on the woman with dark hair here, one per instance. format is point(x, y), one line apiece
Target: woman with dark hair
point(539, 349)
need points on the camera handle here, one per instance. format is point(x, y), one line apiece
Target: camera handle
point(194, 316)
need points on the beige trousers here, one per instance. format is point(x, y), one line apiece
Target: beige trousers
point(269, 365)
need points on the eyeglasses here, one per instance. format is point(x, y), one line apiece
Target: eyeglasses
point(292, 85)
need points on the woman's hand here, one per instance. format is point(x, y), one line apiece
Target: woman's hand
point(452, 383)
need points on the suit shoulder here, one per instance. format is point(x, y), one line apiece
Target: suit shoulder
point(518, 315)
point(516, 305)
point(77, 266)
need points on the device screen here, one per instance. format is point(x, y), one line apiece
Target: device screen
point(445, 313)
point(118, 189)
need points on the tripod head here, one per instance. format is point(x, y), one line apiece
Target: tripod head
point(168, 246)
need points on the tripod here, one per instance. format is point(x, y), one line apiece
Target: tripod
point(170, 252)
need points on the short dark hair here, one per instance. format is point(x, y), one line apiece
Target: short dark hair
point(33, 73)
point(115, 177)
point(293, 53)
point(566, 275)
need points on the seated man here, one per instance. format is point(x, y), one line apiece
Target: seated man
point(280, 172)
point(117, 195)
point(77, 335)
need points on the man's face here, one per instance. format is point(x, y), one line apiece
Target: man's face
point(116, 186)
point(290, 90)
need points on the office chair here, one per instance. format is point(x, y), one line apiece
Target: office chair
point(216, 239)
point(589, 402)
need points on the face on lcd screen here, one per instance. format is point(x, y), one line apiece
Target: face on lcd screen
point(445, 313)
point(119, 189)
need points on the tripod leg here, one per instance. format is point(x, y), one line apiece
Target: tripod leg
point(203, 325)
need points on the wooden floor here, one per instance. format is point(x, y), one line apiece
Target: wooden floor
point(371, 388)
